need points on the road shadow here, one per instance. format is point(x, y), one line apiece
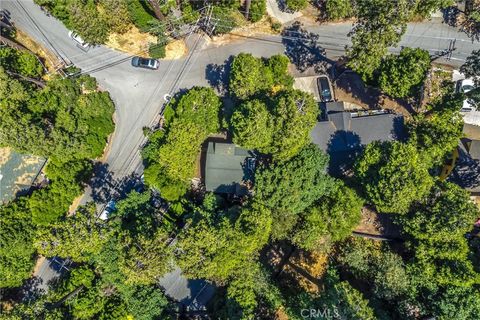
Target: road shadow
point(105, 187)
point(303, 50)
point(217, 75)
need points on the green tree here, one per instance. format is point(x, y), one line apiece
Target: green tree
point(471, 67)
point(250, 75)
point(143, 243)
point(437, 229)
point(295, 115)
point(78, 237)
point(455, 303)
point(17, 233)
point(393, 175)
point(437, 134)
point(296, 5)
point(246, 75)
point(288, 188)
point(252, 125)
point(216, 245)
point(339, 9)
point(257, 10)
point(21, 62)
point(399, 75)
point(332, 218)
point(170, 168)
point(116, 15)
point(380, 24)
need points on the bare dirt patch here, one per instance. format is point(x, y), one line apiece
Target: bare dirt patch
point(349, 87)
point(133, 41)
point(176, 49)
point(264, 26)
point(377, 223)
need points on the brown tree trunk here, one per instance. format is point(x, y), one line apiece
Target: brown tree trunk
point(156, 9)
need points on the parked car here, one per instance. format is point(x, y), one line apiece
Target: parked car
point(464, 86)
point(147, 63)
point(109, 208)
point(78, 39)
point(324, 88)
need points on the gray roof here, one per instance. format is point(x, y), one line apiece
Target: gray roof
point(344, 133)
point(474, 149)
point(17, 172)
point(225, 168)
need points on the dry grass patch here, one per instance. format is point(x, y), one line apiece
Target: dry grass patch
point(133, 41)
point(176, 49)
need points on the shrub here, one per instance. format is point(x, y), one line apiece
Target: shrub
point(140, 14)
point(296, 5)
point(157, 50)
point(257, 10)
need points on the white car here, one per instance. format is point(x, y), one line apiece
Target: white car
point(109, 208)
point(464, 86)
point(78, 39)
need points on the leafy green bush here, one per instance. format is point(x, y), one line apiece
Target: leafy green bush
point(21, 62)
point(399, 75)
point(157, 50)
point(339, 9)
point(225, 18)
point(296, 5)
point(140, 14)
point(257, 10)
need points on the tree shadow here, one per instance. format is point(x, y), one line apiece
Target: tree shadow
point(343, 149)
point(105, 187)
point(303, 50)
point(450, 16)
point(217, 75)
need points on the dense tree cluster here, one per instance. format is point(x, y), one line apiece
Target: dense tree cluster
point(21, 62)
point(272, 118)
point(67, 122)
point(172, 154)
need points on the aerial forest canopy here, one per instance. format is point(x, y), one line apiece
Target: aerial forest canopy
point(68, 122)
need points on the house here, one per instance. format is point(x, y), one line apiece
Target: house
point(467, 168)
point(17, 173)
point(342, 133)
point(228, 169)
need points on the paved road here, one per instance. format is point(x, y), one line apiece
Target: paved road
point(138, 93)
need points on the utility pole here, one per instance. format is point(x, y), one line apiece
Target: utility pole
point(247, 8)
point(447, 53)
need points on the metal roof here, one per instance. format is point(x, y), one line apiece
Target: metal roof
point(226, 168)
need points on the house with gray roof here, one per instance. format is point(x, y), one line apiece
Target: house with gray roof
point(342, 133)
point(229, 169)
point(467, 167)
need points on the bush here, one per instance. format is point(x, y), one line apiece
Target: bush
point(21, 62)
point(257, 10)
point(399, 75)
point(140, 14)
point(339, 9)
point(225, 17)
point(296, 5)
point(157, 50)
